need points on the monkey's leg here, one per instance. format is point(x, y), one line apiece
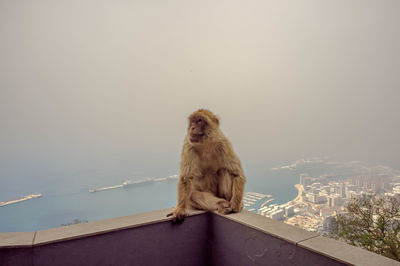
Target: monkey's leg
point(207, 201)
point(224, 184)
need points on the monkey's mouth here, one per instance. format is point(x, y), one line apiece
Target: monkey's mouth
point(196, 137)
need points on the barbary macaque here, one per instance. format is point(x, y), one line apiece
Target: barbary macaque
point(211, 175)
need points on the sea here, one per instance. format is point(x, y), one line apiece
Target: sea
point(67, 198)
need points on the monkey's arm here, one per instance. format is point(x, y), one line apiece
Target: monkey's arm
point(238, 182)
point(188, 169)
point(184, 186)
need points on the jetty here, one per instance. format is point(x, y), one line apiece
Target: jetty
point(32, 196)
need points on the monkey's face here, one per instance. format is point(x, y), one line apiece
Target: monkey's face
point(197, 129)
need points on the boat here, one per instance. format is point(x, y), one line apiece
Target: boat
point(129, 183)
point(104, 188)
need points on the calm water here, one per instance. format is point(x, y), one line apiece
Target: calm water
point(69, 199)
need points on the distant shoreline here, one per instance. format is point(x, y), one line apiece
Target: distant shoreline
point(300, 190)
point(299, 193)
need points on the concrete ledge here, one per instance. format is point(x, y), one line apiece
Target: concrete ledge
point(162, 243)
point(234, 243)
point(53, 235)
point(345, 253)
point(143, 239)
point(150, 238)
point(103, 226)
point(271, 227)
point(16, 240)
point(337, 250)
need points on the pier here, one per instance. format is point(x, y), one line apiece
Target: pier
point(32, 196)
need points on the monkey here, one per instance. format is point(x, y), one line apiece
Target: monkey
point(211, 177)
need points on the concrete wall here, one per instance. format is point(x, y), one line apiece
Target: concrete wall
point(156, 242)
point(202, 239)
point(236, 244)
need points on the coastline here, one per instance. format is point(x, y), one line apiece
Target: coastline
point(298, 198)
point(299, 193)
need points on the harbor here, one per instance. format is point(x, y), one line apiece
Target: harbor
point(253, 201)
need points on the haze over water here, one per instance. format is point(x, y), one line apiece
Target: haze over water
point(62, 203)
point(95, 92)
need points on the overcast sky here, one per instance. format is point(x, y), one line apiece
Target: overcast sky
point(113, 82)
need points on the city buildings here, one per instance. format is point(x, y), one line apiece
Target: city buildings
point(321, 199)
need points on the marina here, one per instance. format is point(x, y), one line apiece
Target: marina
point(252, 201)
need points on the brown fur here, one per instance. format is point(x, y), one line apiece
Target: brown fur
point(211, 175)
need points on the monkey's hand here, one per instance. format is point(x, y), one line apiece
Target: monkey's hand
point(224, 207)
point(178, 214)
point(236, 205)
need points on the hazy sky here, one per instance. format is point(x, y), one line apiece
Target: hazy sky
point(86, 83)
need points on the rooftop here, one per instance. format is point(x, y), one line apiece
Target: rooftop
point(150, 238)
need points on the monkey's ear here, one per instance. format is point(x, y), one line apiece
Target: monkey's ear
point(212, 117)
point(216, 120)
